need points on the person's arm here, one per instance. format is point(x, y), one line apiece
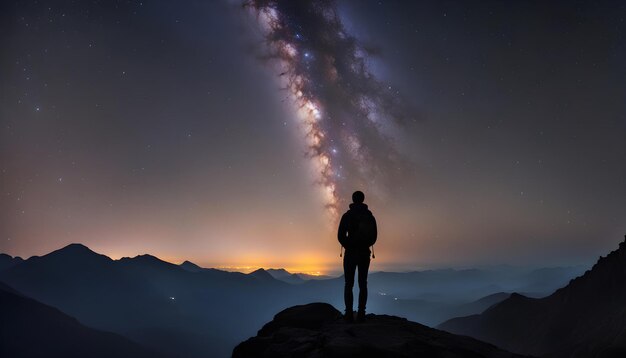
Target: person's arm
point(343, 231)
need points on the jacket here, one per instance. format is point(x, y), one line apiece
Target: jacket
point(350, 233)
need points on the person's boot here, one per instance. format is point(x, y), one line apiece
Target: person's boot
point(349, 316)
point(360, 316)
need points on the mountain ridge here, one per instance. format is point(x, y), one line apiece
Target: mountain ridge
point(147, 299)
point(559, 325)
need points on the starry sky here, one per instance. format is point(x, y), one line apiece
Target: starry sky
point(232, 133)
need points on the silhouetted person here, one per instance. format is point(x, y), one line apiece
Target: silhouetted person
point(357, 232)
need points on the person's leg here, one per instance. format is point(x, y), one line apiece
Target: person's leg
point(349, 268)
point(363, 264)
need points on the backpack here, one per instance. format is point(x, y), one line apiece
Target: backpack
point(366, 228)
point(362, 229)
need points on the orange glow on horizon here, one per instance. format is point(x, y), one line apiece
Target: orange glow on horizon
point(309, 265)
point(248, 269)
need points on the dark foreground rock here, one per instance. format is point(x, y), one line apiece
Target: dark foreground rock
point(318, 330)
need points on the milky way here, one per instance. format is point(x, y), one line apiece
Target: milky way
point(346, 114)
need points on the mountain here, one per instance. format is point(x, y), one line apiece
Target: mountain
point(155, 303)
point(317, 330)
point(306, 276)
point(179, 310)
point(295, 278)
point(7, 261)
point(286, 276)
point(433, 311)
point(191, 267)
point(586, 318)
point(548, 279)
point(31, 329)
point(262, 275)
point(481, 305)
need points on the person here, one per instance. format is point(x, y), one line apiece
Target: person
point(357, 232)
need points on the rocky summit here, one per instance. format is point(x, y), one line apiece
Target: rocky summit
point(318, 330)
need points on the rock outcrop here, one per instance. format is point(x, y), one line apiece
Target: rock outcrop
point(318, 330)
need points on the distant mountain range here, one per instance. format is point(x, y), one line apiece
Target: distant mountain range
point(294, 278)
point(586, 318)
point(155, 303)
point(286, 276)
point(31, 329)
point(189, 311)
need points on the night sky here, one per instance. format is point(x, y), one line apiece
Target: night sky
point(232, 134)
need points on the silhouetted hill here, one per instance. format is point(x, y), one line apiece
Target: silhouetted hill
point(262, 275)
point(434, 310)
point(31, 329)
point(295, 278)
point(7, 261)
point(286, 276)
point(482, 304)
point(148, 262)
point(75, 254)
point(586, 318)
point(317, 330)
point(155, 303)
point(191, 267)
point(308, 277)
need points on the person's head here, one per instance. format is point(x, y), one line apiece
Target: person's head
point(358, 197)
